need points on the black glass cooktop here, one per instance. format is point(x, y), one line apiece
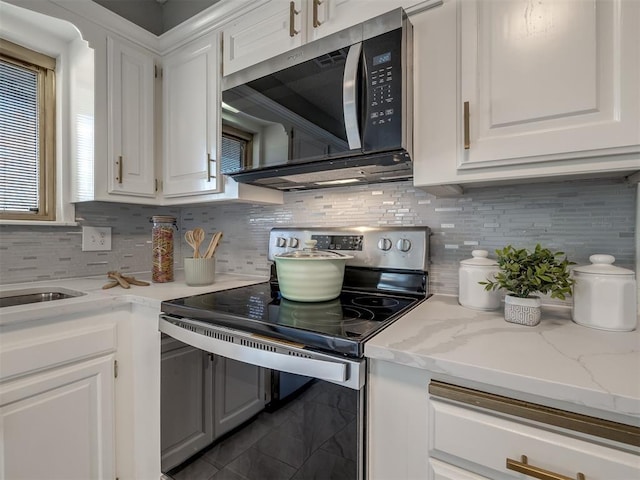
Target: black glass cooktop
point(337, 326)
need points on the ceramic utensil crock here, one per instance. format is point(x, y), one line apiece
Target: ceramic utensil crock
point(473, 270)
point(604, 296)
point(310, 275)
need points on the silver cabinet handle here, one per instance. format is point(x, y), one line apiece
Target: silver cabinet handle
point(292, 18)
point(467, 141)
point(316, 22)
point(119, 174)
point(208, 167)
point(350, 96)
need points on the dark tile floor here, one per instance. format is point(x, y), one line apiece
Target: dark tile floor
point(311, 438)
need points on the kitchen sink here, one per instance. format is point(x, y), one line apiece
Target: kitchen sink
point(25, 296)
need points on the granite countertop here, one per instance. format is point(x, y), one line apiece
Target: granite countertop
point(96, 298)
point(556, 360)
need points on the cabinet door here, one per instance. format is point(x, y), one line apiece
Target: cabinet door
point(266, 32)
point(59, 424)
point(547, 80)
point(186, 405)
point(130, 119)
point(239, 393)
point(191, 126)
point(329, 16)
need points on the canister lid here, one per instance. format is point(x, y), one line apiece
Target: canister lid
point(603, 265)
point(163, 219)
point(480, 259)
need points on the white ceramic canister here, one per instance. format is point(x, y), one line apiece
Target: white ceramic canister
point(604, 296)
point(471, 294)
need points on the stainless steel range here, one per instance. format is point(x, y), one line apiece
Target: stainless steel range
point(387, 276)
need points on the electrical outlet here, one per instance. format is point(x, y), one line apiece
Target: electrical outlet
point(96, 239)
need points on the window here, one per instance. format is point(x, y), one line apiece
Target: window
point(27, 134)
point(237, 149)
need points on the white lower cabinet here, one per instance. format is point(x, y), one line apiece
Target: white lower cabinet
point(397, 422)
point(59, 424)
point(57, 401)
point(418, 429)
point(500, 445)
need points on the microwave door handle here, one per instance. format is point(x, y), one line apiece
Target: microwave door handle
point(350, 96)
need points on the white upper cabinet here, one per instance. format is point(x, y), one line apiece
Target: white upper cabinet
point(190, 119)
point(130, 95)
point(279, 26)
point(329, 16)
point(549, 78)
point(264, 33)
point(519, 90)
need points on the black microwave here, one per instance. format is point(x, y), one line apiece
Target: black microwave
point(335, 111)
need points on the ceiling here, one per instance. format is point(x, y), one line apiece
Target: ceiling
point(156, 16)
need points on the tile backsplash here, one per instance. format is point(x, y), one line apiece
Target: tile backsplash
point(578, 217)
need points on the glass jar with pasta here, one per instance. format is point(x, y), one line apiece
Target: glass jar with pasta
point(162, 246)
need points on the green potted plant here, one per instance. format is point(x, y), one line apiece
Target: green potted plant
point(524, 273)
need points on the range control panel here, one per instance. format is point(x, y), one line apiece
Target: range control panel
point(405, 248)
point(338, 242)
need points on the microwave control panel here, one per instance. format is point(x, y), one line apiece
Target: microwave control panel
point(383, 101)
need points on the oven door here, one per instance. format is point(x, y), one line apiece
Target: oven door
point(317, 433)
point(266, 352)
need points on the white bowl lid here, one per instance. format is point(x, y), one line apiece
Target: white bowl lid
point(603, 265)
point(480, 259)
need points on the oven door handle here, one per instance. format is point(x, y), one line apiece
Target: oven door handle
point(334, 371)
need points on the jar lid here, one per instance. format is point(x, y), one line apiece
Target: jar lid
point(603, 265)
point(480, 259)
point(310, 252)
point(163, 219)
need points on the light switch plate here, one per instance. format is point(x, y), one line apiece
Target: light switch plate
point(96, 239)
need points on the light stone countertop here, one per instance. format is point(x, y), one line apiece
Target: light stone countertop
point(557, 362)
point(95, 298)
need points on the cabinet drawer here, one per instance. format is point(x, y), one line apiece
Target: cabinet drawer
point(489, 441)
point(51, 349)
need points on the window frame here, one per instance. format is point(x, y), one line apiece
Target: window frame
point(45, 67)
point(244, 136)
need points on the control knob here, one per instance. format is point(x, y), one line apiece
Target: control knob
point(294, 242)
point(404, 245)
point(384, 244)
point(281, 242)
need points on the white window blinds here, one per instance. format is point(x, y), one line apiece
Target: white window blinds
point(27, 133)
point(19, 139)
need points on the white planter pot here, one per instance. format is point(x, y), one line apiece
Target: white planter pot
point(524, 311)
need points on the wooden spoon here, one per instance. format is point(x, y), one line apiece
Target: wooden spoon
point(188, 236)
point(211, 249)
point(198, 238)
